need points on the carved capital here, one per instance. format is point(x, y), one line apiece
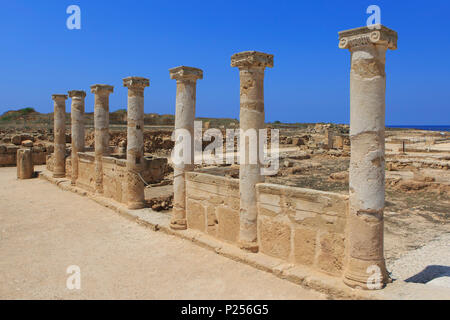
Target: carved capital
point(136, 83)
point(102, 89)
point(77, 94)
point(252, 59)
point(59, 97)
point(186, 73)
point(364, 36)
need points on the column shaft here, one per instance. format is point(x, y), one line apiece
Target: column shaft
point(77, 128)
point(135, 141)
point(101, 124)
point(184, 124)
point(59, 131)
point(251, 66)
point(251, 120)
point(365, 267)
point(25, 168)
point(184, 119)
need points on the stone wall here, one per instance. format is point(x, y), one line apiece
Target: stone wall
point(86, 171)
point(212, 205)
point(300, 226)
point(8, 154)
point(114, 178)
point(114, 173)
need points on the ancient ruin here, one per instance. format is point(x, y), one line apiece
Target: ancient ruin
point(184, 121)
point(101, 118)
point(77, 129)
point(135, 141)
point(251, 66)
point(367, 160)
point(323, 211)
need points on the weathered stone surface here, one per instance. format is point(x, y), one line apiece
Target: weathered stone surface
point(228, 224)
point(59, 164)
point(184, 122)
point(101, 124)
point(330, 259)
point(77, 128)
point(25, 169)
point(17, 140)
point(367, 162)
point(275, 238)
point(251, 66)
point(196, 216)
point(27, 143)
point(304, 246)
point(135, 141)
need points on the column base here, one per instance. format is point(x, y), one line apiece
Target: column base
point(178, 224)
point(135, 205)
point(59, 175)
point(362, 274)
point(249, 246)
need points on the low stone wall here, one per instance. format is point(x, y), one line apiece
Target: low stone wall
point(212, 205)
point(300, 226)
point(8, 155)
point(86, 171)
point(405, 164)
point(114, 173)
point(114, 178)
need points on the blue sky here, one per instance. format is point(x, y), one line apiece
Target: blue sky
point(39, 56)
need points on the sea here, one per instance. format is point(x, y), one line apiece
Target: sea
point(423, 127)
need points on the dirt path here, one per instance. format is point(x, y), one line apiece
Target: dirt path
point(43, 230)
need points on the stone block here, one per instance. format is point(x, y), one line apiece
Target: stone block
point(195, 215)
point(27, 143)
point(228, 227)
point(274, 238)
point(331, 254)
point(304, 246)
point(17, 140)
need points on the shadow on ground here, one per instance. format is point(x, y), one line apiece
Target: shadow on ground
point(430, 273)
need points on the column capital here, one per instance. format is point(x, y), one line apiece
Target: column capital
point(102, 88)
point(252, 59)
point(364, 36)
point(59, 96)
point(136, 82)
point(186, 73)
point(77, 93)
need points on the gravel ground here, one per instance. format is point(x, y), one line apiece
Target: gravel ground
point(429, 264)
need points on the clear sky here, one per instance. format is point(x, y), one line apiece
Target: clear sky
point(39, 56)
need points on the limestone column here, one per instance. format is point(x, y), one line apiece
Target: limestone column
point(135, 141)
point(101, 125)
point(367, 163)
point(59, 132)
point(251, 66)
point(184, 119)
point(77, 129)
point(25, 168)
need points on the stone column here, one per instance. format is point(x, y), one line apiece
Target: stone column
point(184, 120)
point(367, 163)
point(59, 132)
point(251, 66)
point(101, 124)
point(25, 168)
point(135, 141)
point(77, 129)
